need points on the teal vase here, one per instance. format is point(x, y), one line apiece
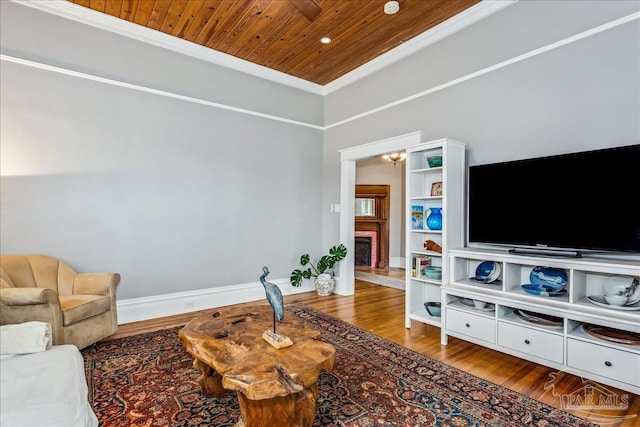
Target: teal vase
point(434, 220)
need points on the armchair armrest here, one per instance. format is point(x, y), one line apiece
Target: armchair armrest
point(28, 296)
point(18, 305)
point(95, 283)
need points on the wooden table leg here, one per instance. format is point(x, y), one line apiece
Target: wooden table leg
point(209, 380)
point(294, 410)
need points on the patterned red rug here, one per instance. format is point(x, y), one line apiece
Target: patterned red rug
point(148, 380)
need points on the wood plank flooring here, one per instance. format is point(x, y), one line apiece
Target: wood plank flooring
point(380, 309)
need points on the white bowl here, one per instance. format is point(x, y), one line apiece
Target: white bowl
point(617, 285)
point(479, 304)
point(618, 300)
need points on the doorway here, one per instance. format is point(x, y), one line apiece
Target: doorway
point(348, 158)
point(371, 247)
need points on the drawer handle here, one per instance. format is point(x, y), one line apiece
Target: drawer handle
point(467, 325)
point(607, 363)
point(527, 342)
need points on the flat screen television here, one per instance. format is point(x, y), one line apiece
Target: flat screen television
point(569, 203)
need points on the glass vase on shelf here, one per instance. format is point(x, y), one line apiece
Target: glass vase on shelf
point(434, 219)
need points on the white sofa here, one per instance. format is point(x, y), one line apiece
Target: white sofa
point(45, 388)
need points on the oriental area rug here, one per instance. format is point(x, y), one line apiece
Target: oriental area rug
point(148, 380)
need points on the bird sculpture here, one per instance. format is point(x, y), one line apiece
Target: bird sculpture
point(274, 296)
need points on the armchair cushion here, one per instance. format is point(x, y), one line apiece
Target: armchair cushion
point(80, 307)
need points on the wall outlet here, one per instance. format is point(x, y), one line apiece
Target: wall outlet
point(189, 304)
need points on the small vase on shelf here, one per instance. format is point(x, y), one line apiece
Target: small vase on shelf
point(434, 220)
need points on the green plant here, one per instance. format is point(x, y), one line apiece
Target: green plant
point(326, 262)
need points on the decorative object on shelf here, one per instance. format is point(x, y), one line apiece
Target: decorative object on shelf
point(469, 303)
point(433, 272)
point(430, 245)
point(434, 161)
point(420, 263)
point(479, 304)
point(417, 217)
point(548, 277)
point(599, 300)
point(395, 157)
point(543, 291)
point(612, 335)
point(538, 318)
point(436, 188)
point(433, 308)
point(324, 265)
point(487, 272)
point(618, 300)
point(622, 286)
point(434, 219)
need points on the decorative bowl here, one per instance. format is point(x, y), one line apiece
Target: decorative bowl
point(617, 285)
point(433, 308)
point(548, 277)
point(618, 300)
point(487, 272)
point(434, 161)
point(432, 272)
point(479, 304)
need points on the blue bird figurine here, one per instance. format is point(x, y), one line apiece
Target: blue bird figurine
point(274, 296)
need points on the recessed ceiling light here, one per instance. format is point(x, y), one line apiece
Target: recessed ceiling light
point(325, 40)
point(391, 7)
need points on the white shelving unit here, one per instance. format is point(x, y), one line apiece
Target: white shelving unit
point(419, 181)
point(565, 346)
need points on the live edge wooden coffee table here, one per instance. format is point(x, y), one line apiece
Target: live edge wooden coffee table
point(275, 387)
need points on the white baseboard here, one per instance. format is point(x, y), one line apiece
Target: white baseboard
point(145, 308)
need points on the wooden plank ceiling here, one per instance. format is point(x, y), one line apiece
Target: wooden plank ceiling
point(285, 35)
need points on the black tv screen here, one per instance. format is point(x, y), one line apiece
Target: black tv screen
point(583, 201)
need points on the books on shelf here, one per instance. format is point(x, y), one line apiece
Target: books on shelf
point(417, 217)
point(418, 263)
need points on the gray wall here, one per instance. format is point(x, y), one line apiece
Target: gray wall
point(578, 96)
point(173, 193)
point(154, 174)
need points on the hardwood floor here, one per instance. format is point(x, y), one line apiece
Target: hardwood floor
point(380, 309)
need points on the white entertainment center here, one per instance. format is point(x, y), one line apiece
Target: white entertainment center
point(573, 330)
point(565, 346)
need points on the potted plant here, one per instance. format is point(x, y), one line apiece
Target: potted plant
point(321, 271)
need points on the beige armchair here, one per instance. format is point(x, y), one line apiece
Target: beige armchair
point(81, 308)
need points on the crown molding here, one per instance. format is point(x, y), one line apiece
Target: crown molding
point(103, 21)
point(125, 28)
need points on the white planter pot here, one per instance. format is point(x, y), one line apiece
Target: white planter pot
point(324, 284)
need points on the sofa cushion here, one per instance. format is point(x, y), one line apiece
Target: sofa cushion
point(79, 307)
point(45, 389)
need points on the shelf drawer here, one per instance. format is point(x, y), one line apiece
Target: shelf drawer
point(537, 343)
point(608, 362)
point(482, 328)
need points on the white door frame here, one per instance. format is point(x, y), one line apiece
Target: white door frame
point(348, 158)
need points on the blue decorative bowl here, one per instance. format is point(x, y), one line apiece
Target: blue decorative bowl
point(487, 272)
point(433, 308)
point(434, 161)
point(548, 277)
point(432, 272)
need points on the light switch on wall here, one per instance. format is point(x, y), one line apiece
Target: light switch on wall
point(334, 207)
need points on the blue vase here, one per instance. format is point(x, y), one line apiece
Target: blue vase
point(434, 220)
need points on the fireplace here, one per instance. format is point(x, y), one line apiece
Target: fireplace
point(365, 249)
